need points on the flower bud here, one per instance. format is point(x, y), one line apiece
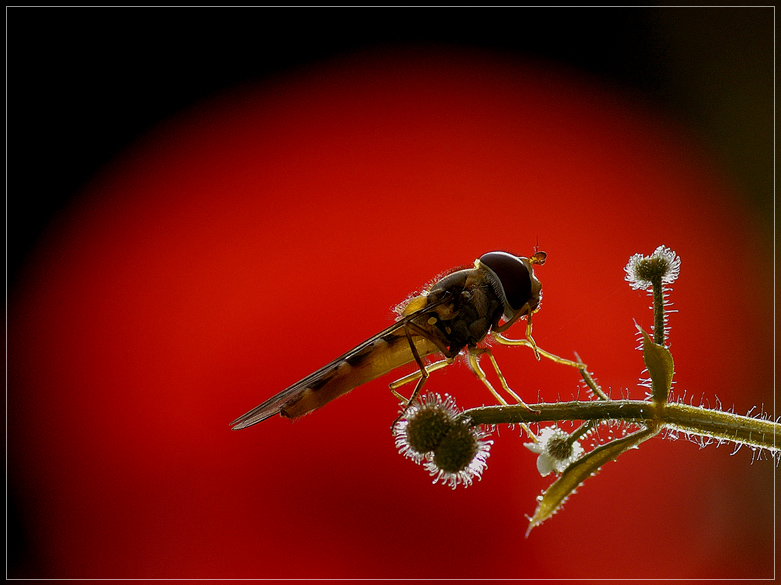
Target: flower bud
point(430, 430)
point(662, 266)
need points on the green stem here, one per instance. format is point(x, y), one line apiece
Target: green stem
point(723, 425)
point(658, 293)
point(690, 419)
point(582, 430)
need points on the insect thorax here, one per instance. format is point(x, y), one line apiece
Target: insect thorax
point(471, 308)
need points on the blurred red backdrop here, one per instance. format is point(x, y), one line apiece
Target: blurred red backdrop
point(261, 233)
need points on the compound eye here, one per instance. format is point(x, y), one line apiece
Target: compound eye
point(513, 276)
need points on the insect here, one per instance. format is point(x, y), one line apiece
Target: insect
point(451, 317)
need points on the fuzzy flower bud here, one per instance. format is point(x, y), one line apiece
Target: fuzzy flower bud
point(663, 264)
point(453, 451)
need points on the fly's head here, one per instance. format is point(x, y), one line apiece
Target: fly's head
point(513, 280)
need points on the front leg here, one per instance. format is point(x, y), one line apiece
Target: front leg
point(529, 342)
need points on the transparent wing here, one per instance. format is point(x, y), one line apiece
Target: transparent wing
point(376, 356)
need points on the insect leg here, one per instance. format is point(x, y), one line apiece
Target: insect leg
point(474, 353)
point(422, 372)
point(532, 343)
point(554, 358)
point(417, 374)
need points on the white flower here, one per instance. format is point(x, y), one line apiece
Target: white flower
point(641, 270)
point(556, 453)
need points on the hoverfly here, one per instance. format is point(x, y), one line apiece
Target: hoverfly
point(450, 318)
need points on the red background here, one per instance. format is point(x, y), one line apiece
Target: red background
point(257, 235)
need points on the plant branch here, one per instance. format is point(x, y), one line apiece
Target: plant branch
point(697, 420)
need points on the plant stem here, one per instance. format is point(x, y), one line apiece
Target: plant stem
point(683, 417)
point(658, 294)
